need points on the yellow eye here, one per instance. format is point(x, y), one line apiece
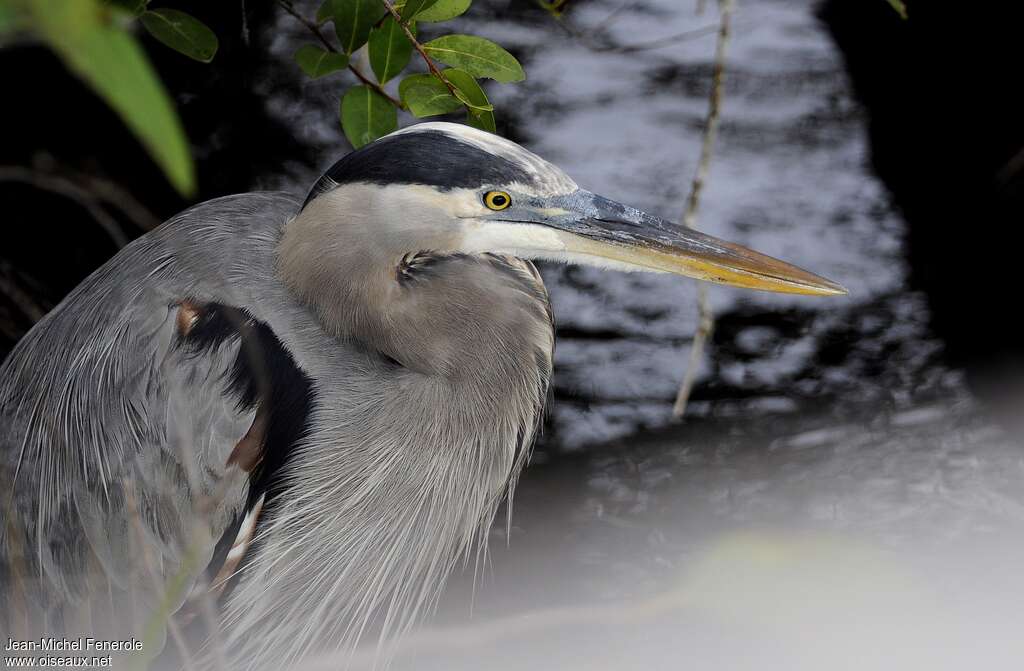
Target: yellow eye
point(497, 200)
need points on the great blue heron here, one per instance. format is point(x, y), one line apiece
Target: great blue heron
point(344, 389)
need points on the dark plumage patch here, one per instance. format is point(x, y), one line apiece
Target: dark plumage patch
point(265, 374)
point(427, 157)
point(208, 326)
point(269, 375)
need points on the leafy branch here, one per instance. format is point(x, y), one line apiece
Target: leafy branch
point(323, 66)
point(387, 30)
point(419, 48)
point(93, 39)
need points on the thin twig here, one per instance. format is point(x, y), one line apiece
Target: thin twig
point(318, 34)
point(22, 300)
point(588, 40)
point(105, 190)
point(705, 327)
point(434, 70)
point(668, 41)
point(607, 20)
point(597, 38)
point(706, 323)
point(110, 193)
point(1011, 168)
point(68, 189)
point(311, 25)
point(375, 86)
point(116, 196)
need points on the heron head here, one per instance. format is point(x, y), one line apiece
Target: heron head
point(457, 189)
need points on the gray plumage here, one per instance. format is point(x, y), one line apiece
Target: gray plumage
point(372, 364)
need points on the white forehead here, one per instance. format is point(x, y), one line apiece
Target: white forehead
point(549, 180)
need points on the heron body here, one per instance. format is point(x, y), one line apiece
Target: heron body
point(295, 418)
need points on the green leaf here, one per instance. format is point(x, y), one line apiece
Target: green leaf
point(327, 10)
point(366, 115)
point(477, 56)
point(9, 18)
point(181, 32)
point(134, 7)
point(469, 91)
point(481, 111)
point(317, 62)
point(389, 49)
point(414, 7)
point(115, 66)
point(426, 95)
point(483, 121)
point(900, 7)
point(443, 10)
point(353, 20)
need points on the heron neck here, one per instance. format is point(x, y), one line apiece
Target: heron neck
point(478, 318)
point(403, 466)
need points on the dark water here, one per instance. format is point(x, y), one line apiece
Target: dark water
point(839, 497)
point(790, 177)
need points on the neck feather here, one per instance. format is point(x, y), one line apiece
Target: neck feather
point(405, 465)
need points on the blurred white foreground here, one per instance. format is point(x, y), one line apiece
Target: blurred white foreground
point(892, 542)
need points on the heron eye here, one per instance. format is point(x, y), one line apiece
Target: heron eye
point(497, 200)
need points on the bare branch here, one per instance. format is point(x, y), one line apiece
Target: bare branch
point(105, 190)
point(706, 318)
point(22, 300)
point(668, 41)
point(67, 188)
point(597, 39)
point(705, 328)
point(310, 25)
point(614, 14)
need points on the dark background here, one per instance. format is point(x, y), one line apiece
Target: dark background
point(836, 462)
point(940, 93)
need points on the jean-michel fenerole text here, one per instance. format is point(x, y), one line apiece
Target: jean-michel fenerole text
point(87, 644)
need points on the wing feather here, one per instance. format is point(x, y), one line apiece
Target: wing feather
point(116, 430)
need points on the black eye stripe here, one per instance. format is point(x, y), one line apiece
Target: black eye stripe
point(426, 157)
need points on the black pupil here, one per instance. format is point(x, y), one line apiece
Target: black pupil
point(498, 200)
